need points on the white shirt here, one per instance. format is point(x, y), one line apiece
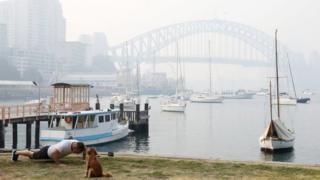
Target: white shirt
point(64, 147)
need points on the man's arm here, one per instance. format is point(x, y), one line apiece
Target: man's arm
point(56, 156)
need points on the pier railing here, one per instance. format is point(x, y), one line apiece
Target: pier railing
point(21, 111)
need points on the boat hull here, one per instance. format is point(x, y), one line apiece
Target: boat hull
point(274, 145)
point(239, 96)
point(303, 100)
point(286, 101)
point(173, 108)
point(89, 136)
point(207, 100)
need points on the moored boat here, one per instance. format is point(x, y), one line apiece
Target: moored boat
point(201, 98)
point(276, 137)
point(90, 127)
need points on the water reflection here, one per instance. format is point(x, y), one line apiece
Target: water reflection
point(281, 157)
point(134, 142)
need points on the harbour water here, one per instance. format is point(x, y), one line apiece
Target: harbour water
point(228, 131)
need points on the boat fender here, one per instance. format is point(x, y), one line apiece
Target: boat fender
point(68, 120)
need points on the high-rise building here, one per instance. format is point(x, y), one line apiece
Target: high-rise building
point(96, 45)
point(33, 24)
point(35, 29)
point(100, 44)
point(3, 37)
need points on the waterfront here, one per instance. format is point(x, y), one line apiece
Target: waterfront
point(228, 131)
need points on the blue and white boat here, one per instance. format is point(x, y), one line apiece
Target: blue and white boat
point(90, 127)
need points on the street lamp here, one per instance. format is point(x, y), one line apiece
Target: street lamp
point(36, 84)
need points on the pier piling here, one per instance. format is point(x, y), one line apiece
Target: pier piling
point(37, 135)
point(28, 135)
point(121, 111)
point(137, 112)
point(2, 134)
point(14, 135)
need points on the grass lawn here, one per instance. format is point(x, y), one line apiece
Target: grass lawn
point(144, 167)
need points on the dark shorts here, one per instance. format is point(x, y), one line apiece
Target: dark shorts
point(41, 154)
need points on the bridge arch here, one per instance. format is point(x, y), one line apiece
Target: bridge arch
point(146, 44)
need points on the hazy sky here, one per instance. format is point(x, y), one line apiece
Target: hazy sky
point(297, 20)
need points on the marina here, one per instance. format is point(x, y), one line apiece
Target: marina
point(207, 131)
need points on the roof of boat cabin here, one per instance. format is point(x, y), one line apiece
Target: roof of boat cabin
point(93, 112)
point(62, 84)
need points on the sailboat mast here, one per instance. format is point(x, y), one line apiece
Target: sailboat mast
point(210, 83)
point(277, 73)
point(292, 80)
point(177, 70)
point(127, 68)
point(270, 92)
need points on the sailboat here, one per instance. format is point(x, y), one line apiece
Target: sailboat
point(276, 137)
point(298, 99)
point(208, 97)
point(285, 98)
point(175, 104)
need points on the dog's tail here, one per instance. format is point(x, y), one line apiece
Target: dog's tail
point(107, 175)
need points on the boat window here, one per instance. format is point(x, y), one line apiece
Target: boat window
point(107, 118)
point(113, 116)
point(81, 122)
point(91, 120)
point(101, 120)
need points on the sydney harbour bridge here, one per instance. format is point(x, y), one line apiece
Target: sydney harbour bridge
point(229, 42)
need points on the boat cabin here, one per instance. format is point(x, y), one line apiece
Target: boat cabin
point(83, 119)
point(70, 97)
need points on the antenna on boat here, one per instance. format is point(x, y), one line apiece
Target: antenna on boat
point(277, 72)
point(97, 103)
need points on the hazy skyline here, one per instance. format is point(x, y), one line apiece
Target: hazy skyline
point(122, 19)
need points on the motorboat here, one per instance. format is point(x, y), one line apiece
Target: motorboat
point(90, 127)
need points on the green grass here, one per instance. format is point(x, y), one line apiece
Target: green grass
point(141, 167)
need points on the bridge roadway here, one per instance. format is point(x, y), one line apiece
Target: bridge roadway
point(202, 60)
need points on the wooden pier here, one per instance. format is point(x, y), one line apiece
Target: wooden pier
point(64, 100)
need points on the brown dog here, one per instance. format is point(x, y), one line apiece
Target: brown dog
point(94, 168)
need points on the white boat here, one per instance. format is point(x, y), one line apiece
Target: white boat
point(308, 92)
point(175, 104)
point(262, 92)
point(207, 97)
point(240, 94)
point(202, 98)
point(89, 127)
point(276, 137)
point(129, 103)
point(285, 101)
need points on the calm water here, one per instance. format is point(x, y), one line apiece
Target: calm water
point(218, 131)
